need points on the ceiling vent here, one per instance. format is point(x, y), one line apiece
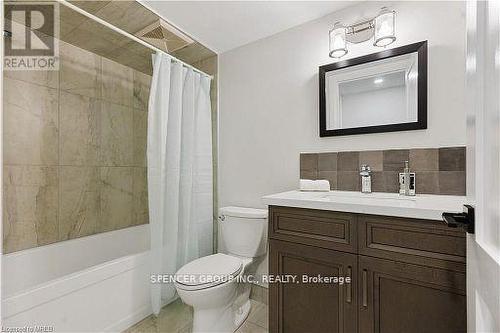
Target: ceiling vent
point(164, 36)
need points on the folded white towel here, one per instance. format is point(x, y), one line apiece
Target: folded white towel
point(321, 185)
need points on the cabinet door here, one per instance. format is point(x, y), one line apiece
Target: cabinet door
point(311, 307)
point(396, 297)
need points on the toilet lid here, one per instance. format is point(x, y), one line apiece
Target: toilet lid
point(208, 271)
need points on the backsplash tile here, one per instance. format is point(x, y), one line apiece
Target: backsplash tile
point(438, 170)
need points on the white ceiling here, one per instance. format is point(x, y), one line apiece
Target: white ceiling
point(225, 25)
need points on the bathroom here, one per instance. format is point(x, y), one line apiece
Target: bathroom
point(182, 166)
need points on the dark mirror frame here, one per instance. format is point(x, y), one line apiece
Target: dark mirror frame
point(421, 123)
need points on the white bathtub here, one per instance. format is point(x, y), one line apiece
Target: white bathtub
point(98, 283)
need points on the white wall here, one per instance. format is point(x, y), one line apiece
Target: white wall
point(269, 98)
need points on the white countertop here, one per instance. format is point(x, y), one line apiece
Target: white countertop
point(421, 206)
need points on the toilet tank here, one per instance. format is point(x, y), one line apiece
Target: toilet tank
point(243, 231)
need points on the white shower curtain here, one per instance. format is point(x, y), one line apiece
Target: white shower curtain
point(179, 154)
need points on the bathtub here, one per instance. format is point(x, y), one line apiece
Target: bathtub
point(98, 283)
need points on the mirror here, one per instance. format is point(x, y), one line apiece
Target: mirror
point(381, 92)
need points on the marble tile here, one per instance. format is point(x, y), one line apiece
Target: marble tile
point(327, 162)
point(259, 315)
point(309, 162)
point(117, 83)
point(348, 181)
point(79, 138)
point(452, 182)
point(348, 161)
point(130, 16)
point(116, 198)
point(424, 159)
point(394, 160)
point(427, 182)
point(331, 176)
point(452, 159)
point(373, 158)
point(79, 201)
point(249, 327)
point(80, 71)
point(116, 135)
point(48, 79)
point(142, 84)
point(30, 124)
point(140, 119)
point(140, 193)
point(30, 206)
point(175, 317)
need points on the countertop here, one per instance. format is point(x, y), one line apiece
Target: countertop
point(421, 206)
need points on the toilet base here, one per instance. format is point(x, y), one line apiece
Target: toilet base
point(228, 319)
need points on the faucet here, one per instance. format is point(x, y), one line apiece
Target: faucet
point(366, 179)
point(407, 181)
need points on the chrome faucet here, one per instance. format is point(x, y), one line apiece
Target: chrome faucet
point(366, 179)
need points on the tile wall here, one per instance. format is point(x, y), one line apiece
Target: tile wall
point(438, 170)
point(74, 150)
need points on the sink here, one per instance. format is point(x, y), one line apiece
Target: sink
point(335, 195)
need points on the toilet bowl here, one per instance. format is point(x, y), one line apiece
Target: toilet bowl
point(213, 284)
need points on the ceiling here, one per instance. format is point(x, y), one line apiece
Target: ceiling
point(225, 25)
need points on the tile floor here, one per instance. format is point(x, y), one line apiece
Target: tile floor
point(177, 318)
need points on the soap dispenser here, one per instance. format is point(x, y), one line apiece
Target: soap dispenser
point(366, 179)
point(407, 181)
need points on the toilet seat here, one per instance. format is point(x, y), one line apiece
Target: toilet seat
point(207, 272)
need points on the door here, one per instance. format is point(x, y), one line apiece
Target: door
point(311, 307)
point(483, 165)
point(397, 297)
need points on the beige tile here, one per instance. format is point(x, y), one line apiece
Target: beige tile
point(48, 79)
point(142, 84)
point(140, 137)
point(394, 159)
point(30, 124)
point(249, 327)
point(259, 316)
point(372, 158)
point(79, 132)
point(427, 182)
point(79, 202)
point(175, 317)
point(116, 135)
point(30, 206)
point(140, 193)
point(331, 176)
point(116, 199)
point(348, 181)
point(309, 162)
point(117, 83)
point(452, 182)
point(327, 162)
point(424, 159)
point(130, 16)
point(348, 161)
point(80, 71)
point(452, 159)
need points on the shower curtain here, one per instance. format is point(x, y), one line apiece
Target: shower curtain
point(179, 155)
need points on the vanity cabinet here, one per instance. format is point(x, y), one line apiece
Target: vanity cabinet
point(407, 275)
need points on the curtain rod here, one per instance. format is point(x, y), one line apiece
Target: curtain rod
point(134, 38)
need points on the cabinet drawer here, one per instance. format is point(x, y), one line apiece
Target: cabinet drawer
point(418, 241)
point(325, 229)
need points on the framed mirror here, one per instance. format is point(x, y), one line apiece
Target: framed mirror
point(380, 92)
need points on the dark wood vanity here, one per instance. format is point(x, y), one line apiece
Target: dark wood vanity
point(408, 275)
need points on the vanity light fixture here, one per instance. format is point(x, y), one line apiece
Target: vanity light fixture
point(382, 28)
point(338, 44)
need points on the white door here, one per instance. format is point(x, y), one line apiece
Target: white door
point(483, 164)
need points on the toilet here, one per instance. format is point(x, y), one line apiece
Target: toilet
point(210, 284)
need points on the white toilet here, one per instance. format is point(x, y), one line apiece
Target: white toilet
point(220, 303)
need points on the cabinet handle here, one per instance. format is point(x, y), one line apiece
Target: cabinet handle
point(365, 287)
point(348, 297)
